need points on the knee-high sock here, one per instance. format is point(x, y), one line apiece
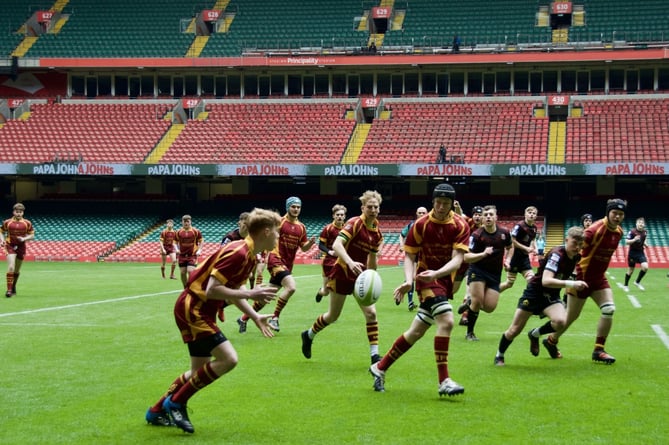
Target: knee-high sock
point(373, 333)
point(504, 344)
point(473, 317)
point(178, 383)
point(319, 324)
point(399, 347)
point(280, 304)
point(16, 280)
point(546, 328)
point(441, 356)
point(10, 281)
point(203, 377)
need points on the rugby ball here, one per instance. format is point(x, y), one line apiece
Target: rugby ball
point(367, 288)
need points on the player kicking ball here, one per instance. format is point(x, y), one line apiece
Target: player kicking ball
point(440, 239)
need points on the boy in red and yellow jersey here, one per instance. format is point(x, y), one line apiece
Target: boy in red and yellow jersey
point(168, 247)
point(14, 233)
point(189, 242)
point(601, 241)
point(355, 247)
point(218, 280)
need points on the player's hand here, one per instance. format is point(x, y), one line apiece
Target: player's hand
point(262, 323)
point(426, 276)
point(398, 293)
point(264, 294)
point(356, 268)
point(580, 285)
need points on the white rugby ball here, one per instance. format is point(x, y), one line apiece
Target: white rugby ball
point(367, 288)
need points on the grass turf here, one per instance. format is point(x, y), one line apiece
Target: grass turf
point(86, 348)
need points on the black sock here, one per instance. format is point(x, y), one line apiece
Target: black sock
point(641, 275)
point(473, 316)
point(627, 279)
point(504, 344)
point(547, 328)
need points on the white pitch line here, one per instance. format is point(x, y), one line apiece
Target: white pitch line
point(633, 300)
point(660, 333)
point(69, 306)
point(90, 303)
point(51, 325)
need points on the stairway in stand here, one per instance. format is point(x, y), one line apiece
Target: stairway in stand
point(554, 234)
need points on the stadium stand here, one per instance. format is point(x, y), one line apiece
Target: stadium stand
point(145, 246)
point(116, 132)
point(70, 250)
point(125, 28)
point(301, 132)
point(76, 237)
point(477, 131)
point(620, 20)
point(626, 130)
point(14, 14)
point(154, 28)
point(258, 24)
point(429, 23)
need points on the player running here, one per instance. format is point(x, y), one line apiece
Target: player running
point(542, 294)
point(601, 241)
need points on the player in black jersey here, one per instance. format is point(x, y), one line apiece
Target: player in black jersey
point(523, 235)
point(542, 294)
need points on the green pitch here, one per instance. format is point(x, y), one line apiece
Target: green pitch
point(86, 348)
